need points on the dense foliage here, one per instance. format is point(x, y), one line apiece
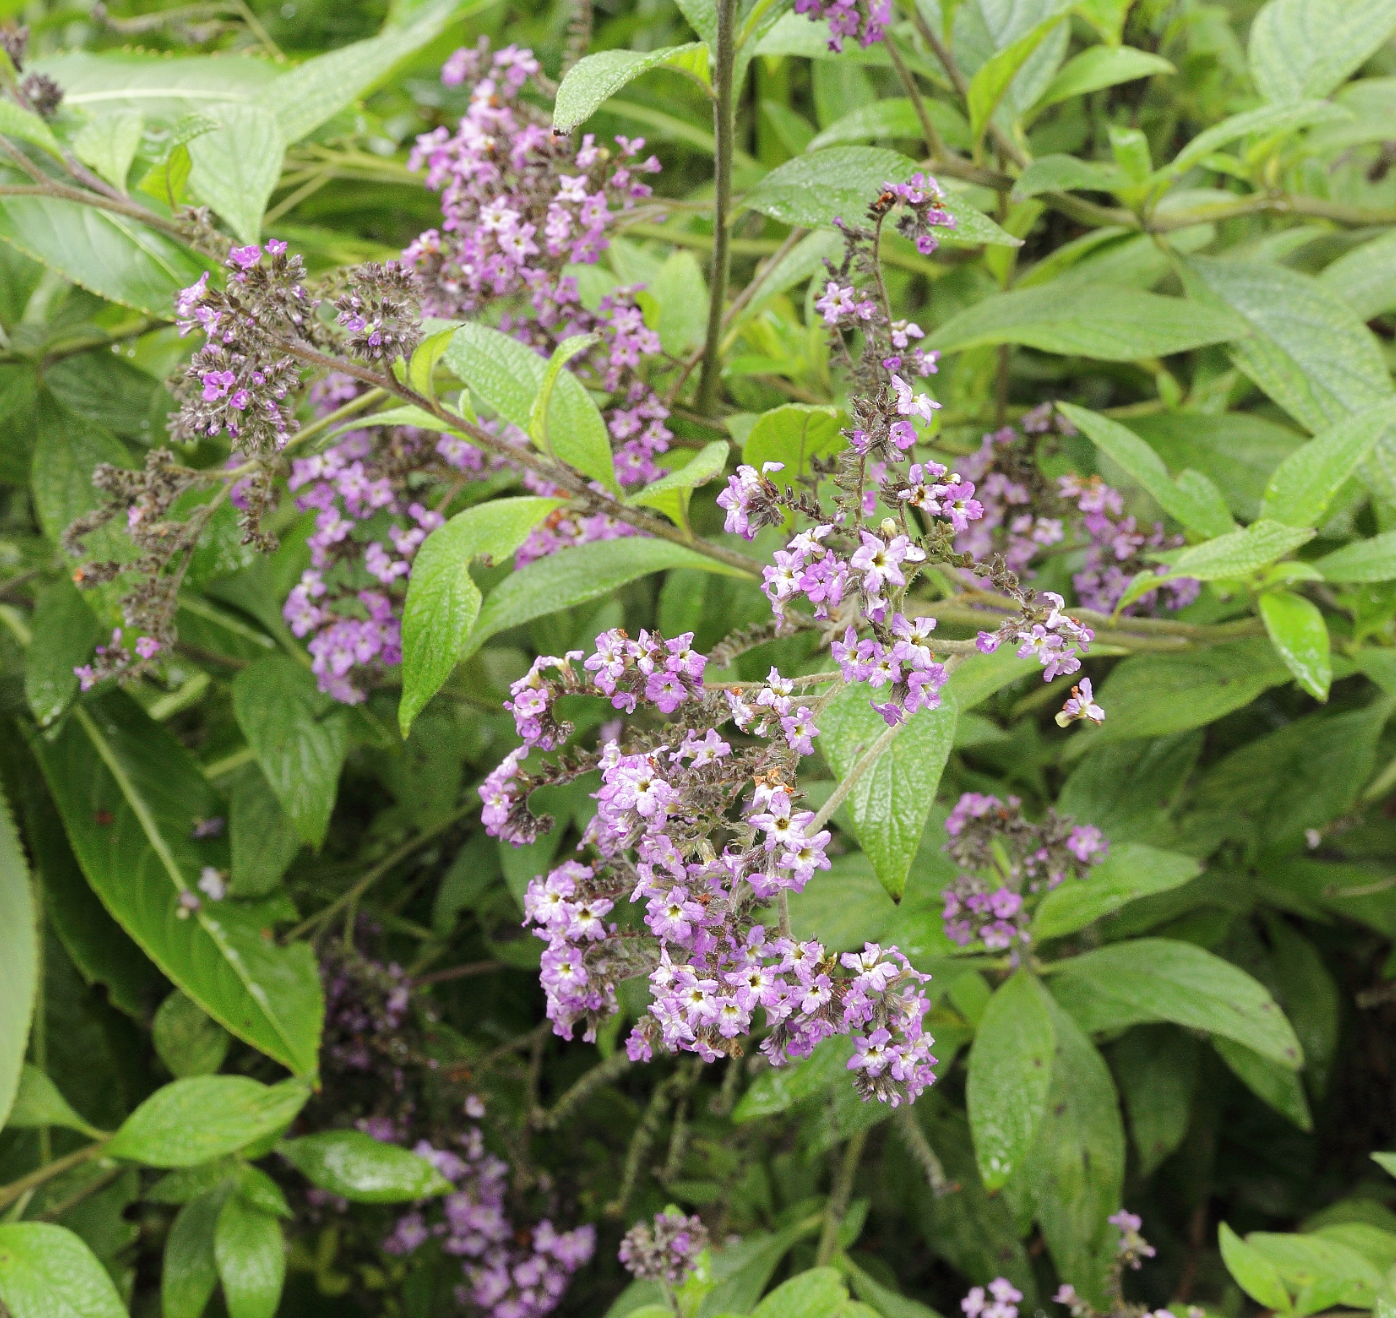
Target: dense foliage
point(716, 659)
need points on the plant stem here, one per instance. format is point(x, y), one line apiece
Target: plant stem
point(723, 128)
point(17, 1189)
point(616, 1065)
point(837, 1208)
point(909, 1128)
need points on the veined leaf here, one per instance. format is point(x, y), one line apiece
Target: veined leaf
point(1304, 48)
point(1238, 553)
point(235, 167)
point(794, 434)
point(671, 492)
point(130, 795)
point(109, 144)
point(1277, 1085)
point(1254, 123)
point(1130, 871)
point(363, 1169)
point(1299, 634)
point(43, 1267)
point(1101, 66)
point(1254, 1273)
point(251, 1258)
point(443, 602)
point(1304, 484)
point(594, 79)
point(1363, 560)
point(1058, 173)
point(16, 121)
point(19, 958)
point(893, 116)
point(1365, 278)
point(992, 79)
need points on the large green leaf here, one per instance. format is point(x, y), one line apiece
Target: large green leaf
point(576, 576)
point(1151, 695)
point(251, 1257)
point(592, 80)
point(64, 632)
point(442, 600)
point(130, 795)
point(67, 447)
point(1257, 1276)
point(1110, 324)
point(1363, 560)
point(1365, 277)
point(893, 116)
point(992, 79)
point(1157, 1068)
point(110, 255)
point(1304, 48)
point(794, 434)
point(1304, 484)
point(671, 493)
point(235, 166)
point(1010, 1075)
point(299, 735)
point(892, 799)
point(19, 958)
point(1129, 872)
point(1300, 636)
point(1277, 1085)
point(47, 1272)
point(1101, 66)
point(189, 1270)
point(363, 1169)
point(1160, 979)
point(1255, 123)
point(1239, 553)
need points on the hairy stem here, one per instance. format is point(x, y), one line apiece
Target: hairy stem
point(723, 128)
point(837, 1208)
point(909, 1128)
point(616, 1065)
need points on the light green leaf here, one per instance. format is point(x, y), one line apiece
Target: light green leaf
point(421, 369)
point(251, 1258)
point(47, 1272)
point(38, 1103)
point(893, 116)
point(1059, 173)
point(1298, 632)
point(19, 958)
point(1361, 561)
point(818, 1293)
point(1109, 324)
point(190, 1271)
point(991, 81)
point(1269, 119)
point(443, 601)
point(1010, 1074)
point(107, 254)
point(1307, 350)
point(1254, 1273)
point(299, 735)
point(1101, 66)
point(538, 430)
point(1240, 553)
point(576, 576)
point(892, 799)
point(1386, 1161)
point(671, 492)
point(109, 142)
point(1304, 484)
point(187, 1040)
point(843, 181)
point(1365, 277)
point(362, 1169)
point(64, 632)
point(1161, 979)
point(15, 121)
point(235, 166)
point(195, 1120)
point(1277, 1085)
point(682, 298)
point(794, 435)
point(1304, 48)
point(1130, 871)
point(1327, 1273)
point(594, 79)
point(1197, 505)
point(130, 794)
point(509, 376)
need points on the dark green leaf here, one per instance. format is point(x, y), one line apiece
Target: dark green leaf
point(189, 1043)
point(19, 961)
point(1157, 1066)
point(264, 841)
point(190, 1270)
point(47, 1272)
point(1277, 1085)
point(362, 1169)
point(64, 632)
point(1304, 484)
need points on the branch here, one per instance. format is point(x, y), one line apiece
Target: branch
point(723, 129)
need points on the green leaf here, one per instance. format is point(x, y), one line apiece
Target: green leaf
point(843, 181)
point(1101, 66)
point(1386, 1161)
point(1160, 979)
point(188, 1042)
point(195, 1120)
point(1363, 560)
point(310, 95)
point(1151, 695)
point(1304, 48)
point(818, 1293)
point(1057, 173)
point(1129, 872)
point(190, 1271)
point(264, 841)
point(794, 435)
point(421, 370)
point(1240, 553)
point(681, 295)
point(1197, 505)
point(991, 81)
point(509, 376)
point(1307, 349)
point(1076, 1166)
point(1157, 1067)
point(1277, 1085)
point(39, 1103)
point(66, 449)
point(47, 1272)
point(19, 959)
point(892, 799)
point(576, 576)
point(1304, 484)
point(299, 735)
point(594, 79)
point(1010, 1074)
point(109, 144)
point(1300, 635)
point(1269, 119)
point(107, 254)
point(443, 602)
point(251, 1258)
point(538, 414)
point(894, 116)
point(64, 632)
point(235, 167)
point(670, 494)
point(1365, 277)
point(1254, 1273)
point(1109, 324)
point(15, 121)
point(259, 1191)
point(1327, 1273)
point(129, 795)
point(362, 1169)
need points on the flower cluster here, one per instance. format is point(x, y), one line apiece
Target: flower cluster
point(667, 1251)
point(1025, 860)
point(115, 659)
point(1046, 633)
point(1002, 1300)
point(381, 312)
point(868, 20)
point(1133, 1248)
point(1131, 1252)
